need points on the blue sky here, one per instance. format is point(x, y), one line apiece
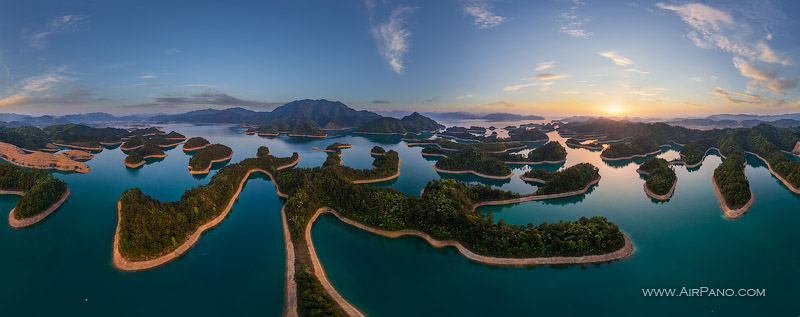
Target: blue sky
point(662, 58)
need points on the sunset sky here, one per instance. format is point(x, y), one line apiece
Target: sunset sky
point(637, 58)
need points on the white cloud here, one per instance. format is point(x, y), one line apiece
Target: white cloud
point(546, 76)
point(37, 87)
point(467, 96)
point(748, 98)
point(544, 86)
point(640, 88)
point(697, 79)
point(62, 24)
point(200, 85)
point(765, 77)
point(570, 92)
point(481, 10)
point(571, 23)
point(634, 70)
point(148, 76)
point(545, 65)
point(393, 37)
point(171, 51)
point(617, 58)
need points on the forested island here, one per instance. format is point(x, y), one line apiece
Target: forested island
point(27, 137)
point(590, 146)
point(377, 150)
point(661, 178)
point(84, 137)
point(172, 135)
point(550, 153)
point(337, 148)
point(574, 178)
point(195, 143)
point(413, 123)
point(293, 128)
point(137, 157)
point(133, 143)
point(431, 150)
point(448, 145)
point(201, 162)
point(475, 161)
point(41, 193)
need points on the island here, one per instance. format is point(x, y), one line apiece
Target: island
point(201, 162)
point(162, 141)
point(377, 150)
point(172, 135)
point(642, 146)
point(151, 233)
point(574, 179)
point(133, 143)
point(137, 157)
point(591, 146)
point(431, 150)
point(475, 161)
point(83, 137)
point(40, 160)
point(292, 128)
point(447, 145)
point(413, 123)
point(195, 143)
point(661, 178)
point(27, 137)
point(521, 134)
point(550, 153)
point(337, 148)
point(41, 194)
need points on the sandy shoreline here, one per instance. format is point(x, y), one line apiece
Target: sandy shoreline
point(783, 180)
point(626, 250)
point(727, 211)
point(29, 221)
point(309, 136)
point(595, 148)
point(701, 159)
point(99, 148)
point(142, 162)
point(531, 179)
point(604, 158)
point(378, 154)
point(77, 155)
point(208, 168)
point(472, 172)
point(131, 148)
point(110, 143)
point(195, 148)
point(534, 197)
point(127, 265)
point(536, 163)
point(664, 197)
point(164, 146)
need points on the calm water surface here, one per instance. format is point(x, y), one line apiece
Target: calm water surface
point(63, 265)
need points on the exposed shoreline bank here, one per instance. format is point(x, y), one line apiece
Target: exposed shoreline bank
point(382, 179)
point(208, 168)
point(124, 264)
point(472, 172)
point(796, 190)
point(534, 196)
point(142, 162)
point(727, 211)
point(40, 160)
point(29, 221)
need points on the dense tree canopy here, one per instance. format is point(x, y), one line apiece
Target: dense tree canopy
point(215, 152)
point(660, 176)
point(41, 189)
point(195, 142)
point(472, 159)
point(573, 178)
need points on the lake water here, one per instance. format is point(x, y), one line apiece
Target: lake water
point(62, 266)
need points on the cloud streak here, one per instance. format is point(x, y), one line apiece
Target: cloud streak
point(570, 23)
point(393, 37)
point(63, 24)
point(481, 11)
point(545, 65)
point(618, 59)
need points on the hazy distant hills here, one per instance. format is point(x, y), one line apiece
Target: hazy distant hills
point(454, 116)
point(323, 113)
point(717, 121)
point(21, 119)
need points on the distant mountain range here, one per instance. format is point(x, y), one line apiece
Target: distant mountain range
point(414, 123)
point(453, 116)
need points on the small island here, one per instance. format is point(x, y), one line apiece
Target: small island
point(337, 148)
point(475, 161)
point(133, 143)
point(137, 157)
point(172, 135)
point(413, 123)
point(83, 137)
point(201, 162)
point(576, 178)
point(292, 128)
point(377, 150)
point(642, 146)
point(591, 146)
point(195, 143)
point(661, 178)
point(550, 153)
point(431, 150)
point(41, 194)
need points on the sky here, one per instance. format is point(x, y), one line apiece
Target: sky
point(633, 58)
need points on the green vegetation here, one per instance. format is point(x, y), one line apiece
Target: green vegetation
point(306, 129)
point(572, 141)
point(528, 135)
point(291, 127)
point(414, 123)
point(133, 142)
point(693, 153)
point(262, 152)
point(337, 147)
point(639, 146)
point(84, 136)
point(149, 227)
point(521, 134)
point(732, 182)
point(202, 160)
point(472, 159)
point(660, 176)
point(448, 145)
point(551, 151)
point(377, 150)
point(138, 155)
point(275, 128)
point(311, 297)
point(147, 131)
point(195, 142)
point(432, 150)
point(573, 178)
point(175, 135)
point(41, 189)
point(26, 137)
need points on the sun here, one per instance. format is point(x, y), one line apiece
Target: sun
point(614, 109)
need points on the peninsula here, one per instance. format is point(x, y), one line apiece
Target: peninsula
point(41, 194)
point(136, 158)
point(195, 143)
point(661, 178)
point(40, 160)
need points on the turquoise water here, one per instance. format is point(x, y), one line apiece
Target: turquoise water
point(237, 268)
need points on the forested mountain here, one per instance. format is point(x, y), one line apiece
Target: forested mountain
point(414, 123)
